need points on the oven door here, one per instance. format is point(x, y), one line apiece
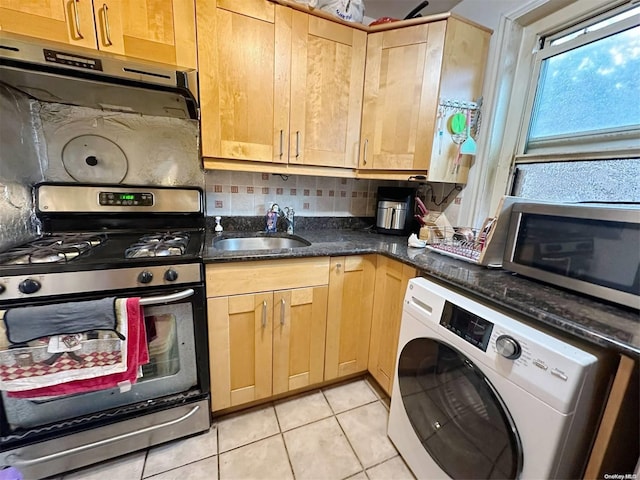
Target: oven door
point(175, 316)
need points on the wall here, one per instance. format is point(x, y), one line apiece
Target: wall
point(247, 194)
point(251, 194)
point(19, 167)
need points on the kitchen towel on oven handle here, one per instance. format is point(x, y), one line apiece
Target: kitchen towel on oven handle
point(30, 323)
point(59, 360)
point(137, 354)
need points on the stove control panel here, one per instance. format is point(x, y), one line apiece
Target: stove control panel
point(66, 283)
point(136, 199)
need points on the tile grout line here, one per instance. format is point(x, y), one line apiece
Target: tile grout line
point(284, 443)
point(346, 438)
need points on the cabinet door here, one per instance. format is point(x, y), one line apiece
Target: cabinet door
point(244, 67)
point(401, 97)
point(240, 346)
point(300, 317)
point(392, 278)
point(327, 74)
point(66, 21)
point(351, 289)
point(160, 31)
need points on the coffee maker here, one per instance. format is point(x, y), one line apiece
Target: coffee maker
point(395, 212)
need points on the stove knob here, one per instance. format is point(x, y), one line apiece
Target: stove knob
point(508, 347)
point(2, 288)
point(29, 286)
point(145, 277)
point(171, 275)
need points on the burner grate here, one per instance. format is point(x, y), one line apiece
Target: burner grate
point(55, 248)
point(167, 244)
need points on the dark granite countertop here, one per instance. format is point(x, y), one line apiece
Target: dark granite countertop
point(597, 322)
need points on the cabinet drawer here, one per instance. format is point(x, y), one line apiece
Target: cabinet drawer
point(266, 275)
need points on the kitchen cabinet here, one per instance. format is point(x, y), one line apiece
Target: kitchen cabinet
point(391, 282)
point(267, 322)
point(278, 85)
point(160, 31)
point(351, 290)
point(408, 71)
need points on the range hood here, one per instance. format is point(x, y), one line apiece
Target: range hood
point(52, 72)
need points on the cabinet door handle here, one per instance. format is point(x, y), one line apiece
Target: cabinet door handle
point(281, 143)
point(77, 18)
point(297, 144)
point(338, 266)
point(282, 306)
point(264, 313)
point(364, 152)
point(107, 30)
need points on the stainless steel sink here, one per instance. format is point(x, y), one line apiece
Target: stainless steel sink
point(263, 242)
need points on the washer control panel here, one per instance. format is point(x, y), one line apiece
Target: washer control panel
point(544, 365)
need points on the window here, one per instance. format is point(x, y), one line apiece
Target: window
point(580, 139)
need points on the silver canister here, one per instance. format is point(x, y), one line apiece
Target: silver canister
point(391, 215)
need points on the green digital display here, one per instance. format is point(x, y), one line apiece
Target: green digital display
point(126, 196)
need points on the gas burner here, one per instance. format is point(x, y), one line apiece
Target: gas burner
point(57, 248)
point(168, 244)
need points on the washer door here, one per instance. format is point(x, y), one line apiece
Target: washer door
point(456, 413)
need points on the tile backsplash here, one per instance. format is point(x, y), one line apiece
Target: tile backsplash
point(252, 194)
point(246, 193)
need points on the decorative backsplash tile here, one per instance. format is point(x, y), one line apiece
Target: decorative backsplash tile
point(243, 193)
point(252, 194)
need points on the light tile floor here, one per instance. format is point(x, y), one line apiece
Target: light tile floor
point(338, 432)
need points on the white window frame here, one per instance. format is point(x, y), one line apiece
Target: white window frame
point(601, 144)
point(519, 35)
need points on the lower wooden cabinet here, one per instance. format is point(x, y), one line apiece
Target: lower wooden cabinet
point(280, 325)
point(392, 278)
point(263, 343)
point(351, 288)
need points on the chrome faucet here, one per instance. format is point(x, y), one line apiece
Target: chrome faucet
point(289, 218)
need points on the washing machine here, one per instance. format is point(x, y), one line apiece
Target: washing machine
point(480, 394)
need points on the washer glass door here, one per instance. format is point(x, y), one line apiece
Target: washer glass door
point(456, 413)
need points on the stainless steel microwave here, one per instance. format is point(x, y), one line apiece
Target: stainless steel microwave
point(589, 248)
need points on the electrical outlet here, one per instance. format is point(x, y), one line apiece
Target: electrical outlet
point(457, 201)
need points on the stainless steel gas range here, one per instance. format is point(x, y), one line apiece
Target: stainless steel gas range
point(117, 216)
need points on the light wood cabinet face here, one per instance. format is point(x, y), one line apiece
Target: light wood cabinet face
point(66, 21)
point(237, 65)
point(327, 74)
point(278, 85)
point(240, 345)
point(392, 278)
point(300, 317)
point(161, 31)
point(264, 344)
point(351, 289)
point(400, 97)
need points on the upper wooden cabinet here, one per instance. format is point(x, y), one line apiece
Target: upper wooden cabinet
point(278, 85)
point(327, 75)
point(156, 30)
point(408, 70)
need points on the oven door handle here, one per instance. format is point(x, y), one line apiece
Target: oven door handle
point(166, 298)
point(15, 460)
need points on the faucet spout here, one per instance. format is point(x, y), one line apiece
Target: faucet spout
point(289, 216)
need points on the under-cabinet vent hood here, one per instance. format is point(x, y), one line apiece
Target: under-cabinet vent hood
point(51, 72)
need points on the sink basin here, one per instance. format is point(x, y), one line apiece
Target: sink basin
point(264, 242)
